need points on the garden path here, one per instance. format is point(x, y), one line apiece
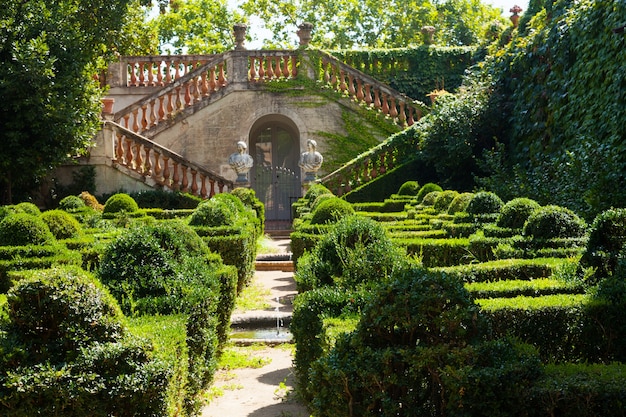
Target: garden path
point(265, 391)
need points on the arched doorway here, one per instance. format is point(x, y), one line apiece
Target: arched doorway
point(275, 176)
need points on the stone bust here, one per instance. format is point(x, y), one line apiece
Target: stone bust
point(241, 162)
point(310, 161)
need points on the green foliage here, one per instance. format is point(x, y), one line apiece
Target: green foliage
point(221, 210)
point(426, 189)
point(565, 143)
point(443, 200)
point(51, 51)
point(54, 313)
point(28, 208)
point(605, 245)
point(355, 251)
point(430, 198)
point(120, 203)
point(156, 269)
point(62, 225)
point(514, 213)
point(166, 200)
point(459, 203)
point(551, 222)
point(484, 202)
point(409, 188)
point(24, 229)
point(331, 210)
point(71, 203)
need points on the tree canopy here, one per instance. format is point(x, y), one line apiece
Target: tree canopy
point(50, 52)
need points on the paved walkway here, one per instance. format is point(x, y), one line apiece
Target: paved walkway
point(266, 391)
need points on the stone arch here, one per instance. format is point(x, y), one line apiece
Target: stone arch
point(275, 177)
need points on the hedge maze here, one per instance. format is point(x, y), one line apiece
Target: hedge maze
point(493, 308)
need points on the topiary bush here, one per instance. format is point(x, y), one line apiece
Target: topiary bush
point(331, 210)
point(23, 229)
point(514, 213)
point(65, 352)
point(427, 188)
point(355, 250)
point(550, 222)
point(430, 198)
point(214, 212)
point(119, 203)
point(484, 202)
point(444, 199)
point(320, 198)
point(71, 203)
point(62, 225)
point(91, 201)
point(409, 188)
point(605, 246)
point(159, 269)
point(460, 202)
point(28, 208)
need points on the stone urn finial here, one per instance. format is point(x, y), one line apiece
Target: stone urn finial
point(239, 31)
point(304, 33)
point(516, 10)
point(429, 33)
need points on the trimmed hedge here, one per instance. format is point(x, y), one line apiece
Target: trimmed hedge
point(437, 252)
point(506, 269)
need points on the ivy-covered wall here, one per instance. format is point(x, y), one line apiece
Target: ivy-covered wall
point(414, 71)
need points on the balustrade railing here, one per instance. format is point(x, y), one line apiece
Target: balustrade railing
point(162, 166)
point(272, 65)
point(174, 97)
point(159, 70)
point(364, 89)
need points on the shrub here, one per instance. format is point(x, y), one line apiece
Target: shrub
point(249, 199)
point(356, 250)
point(409, 188)
point(62, 224)
point(443, 200)
point(166, 200)
point(427, 188)
point(56, 312)
point(331, 210)
point(71, 203)
point(460, 202)
point(91, 201)
point(24, 229)
point(514, 213)
point(606, 242)
point(430, 198)
point(484, 202)
point(65, 352)
point(319, 200)
point(552, 222)
point(314, 191)
point(120, 202)
point(28, 208)
point(161, 268)
point(217, 211)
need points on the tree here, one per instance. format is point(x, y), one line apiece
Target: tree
point(195, 26)
point(50, 51)
point(349, 24)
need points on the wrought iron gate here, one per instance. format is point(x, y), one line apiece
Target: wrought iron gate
point(275, 174)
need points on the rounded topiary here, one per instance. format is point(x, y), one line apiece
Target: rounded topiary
point(120, 202)
point(214, 212)
point(426, 189)
point(409, 188)
point(460, 202)
point(62, 224)
point(321, 198)
point(514, 213)
point(605, 246)
point(56, 312)
point(430, 198)
point(355, 250)
point(552, 222)
point(91, 201)
point(331, 210)
point(484, 202)
point(444, 199)
point(28, 208)
point(23, 229)
point(71, 203)
point(161, 268)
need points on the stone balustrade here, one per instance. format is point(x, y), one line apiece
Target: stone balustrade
point(366, 90)
point(272, 65)
point(160, 166)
